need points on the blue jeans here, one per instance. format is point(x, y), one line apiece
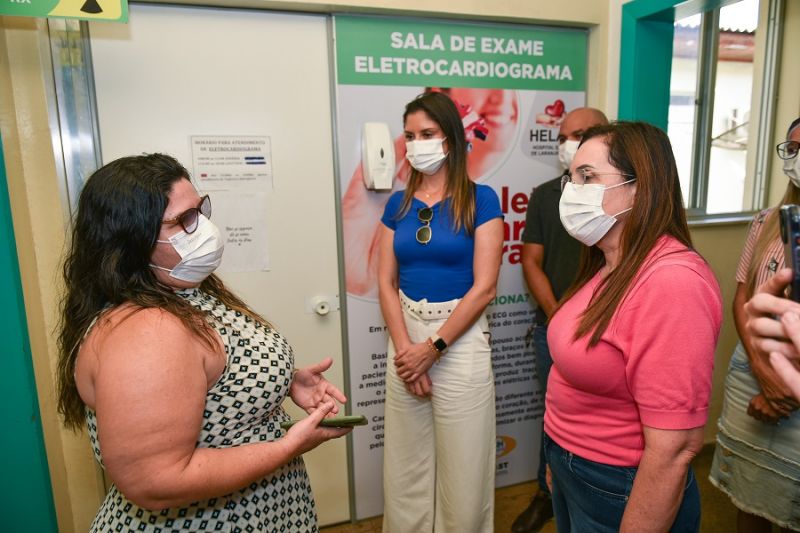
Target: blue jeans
point(543, 362)
point(590, 497)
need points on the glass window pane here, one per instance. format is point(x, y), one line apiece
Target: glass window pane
point(682, 96)
point(730, 125)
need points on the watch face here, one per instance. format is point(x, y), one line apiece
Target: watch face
point(440, 344)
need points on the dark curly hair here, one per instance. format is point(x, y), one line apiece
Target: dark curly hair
point(107, 264)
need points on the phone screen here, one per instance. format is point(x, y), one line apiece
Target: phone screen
point(790, 234)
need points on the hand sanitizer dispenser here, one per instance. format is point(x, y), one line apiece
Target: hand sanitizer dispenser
point(377, 156)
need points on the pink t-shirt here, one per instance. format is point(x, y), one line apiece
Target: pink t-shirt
point(651, 367)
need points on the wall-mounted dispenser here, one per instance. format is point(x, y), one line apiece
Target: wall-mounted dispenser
point(377, 156)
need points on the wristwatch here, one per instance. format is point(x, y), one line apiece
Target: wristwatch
point(439, 344)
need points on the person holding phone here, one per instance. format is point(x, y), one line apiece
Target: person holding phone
point(759, 426)
point(632, 342)
point(179, 382)
point(440, 248)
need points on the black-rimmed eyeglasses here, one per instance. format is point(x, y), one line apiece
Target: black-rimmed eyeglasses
point(425, 215)
point(190, 218)
point(583, 174)
point(788, 149)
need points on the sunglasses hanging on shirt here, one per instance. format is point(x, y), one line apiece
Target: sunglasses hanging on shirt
point(425, 215)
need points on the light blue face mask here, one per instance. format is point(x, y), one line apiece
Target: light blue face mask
point(200, 251)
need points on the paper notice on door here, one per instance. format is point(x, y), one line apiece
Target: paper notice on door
point(232, 162)
point(242, 219)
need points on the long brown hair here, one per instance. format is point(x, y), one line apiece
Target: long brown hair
point(644, 151)
point(107, 264)
point(770, 228)
point(459, 188)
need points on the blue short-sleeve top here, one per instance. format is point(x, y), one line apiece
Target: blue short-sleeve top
point(442, 269)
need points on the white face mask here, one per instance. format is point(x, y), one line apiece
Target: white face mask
point(791, 167)
point(426, 156)
point(200, 251)
point(581, 211)
point(566, 153)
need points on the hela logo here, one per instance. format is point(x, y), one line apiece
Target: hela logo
point(505, 445)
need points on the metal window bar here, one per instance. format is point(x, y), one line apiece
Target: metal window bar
point(704, 111)
point(768, 101)
point(76, 137)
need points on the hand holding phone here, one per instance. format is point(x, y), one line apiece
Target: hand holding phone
point(334, 422)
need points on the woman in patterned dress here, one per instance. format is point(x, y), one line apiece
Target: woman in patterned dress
point(180, 382)
point(757, 459)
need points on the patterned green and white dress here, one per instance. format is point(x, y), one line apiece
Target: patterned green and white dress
point(243, 406)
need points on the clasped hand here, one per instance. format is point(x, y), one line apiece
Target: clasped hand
point(412, 364)
point(413, 361)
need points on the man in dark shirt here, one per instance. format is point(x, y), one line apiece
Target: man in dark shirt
point(549, 262)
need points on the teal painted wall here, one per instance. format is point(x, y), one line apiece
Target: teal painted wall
point(646, 55)
point(646, 60)
point(25, 493)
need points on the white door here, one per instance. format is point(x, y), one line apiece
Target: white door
point(176, 72)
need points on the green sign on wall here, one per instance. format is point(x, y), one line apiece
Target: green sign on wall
point(116, 10)
point(373, 51)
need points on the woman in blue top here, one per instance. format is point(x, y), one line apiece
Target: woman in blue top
point(440, 251)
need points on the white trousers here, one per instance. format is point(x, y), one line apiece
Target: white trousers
point(439, 454)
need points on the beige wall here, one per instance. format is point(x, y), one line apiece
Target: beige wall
point(39, 215)
point(721, 246)
point(591, 14)
point(35, 191)
point(39, 227)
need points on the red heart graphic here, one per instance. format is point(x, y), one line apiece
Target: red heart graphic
point(556, 109)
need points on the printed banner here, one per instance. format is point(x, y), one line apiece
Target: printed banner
point(521, 81)
point(396, 52)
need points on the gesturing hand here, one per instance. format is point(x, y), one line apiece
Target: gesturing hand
point(310, 389)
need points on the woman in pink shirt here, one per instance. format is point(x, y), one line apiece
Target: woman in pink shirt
point(632, 342)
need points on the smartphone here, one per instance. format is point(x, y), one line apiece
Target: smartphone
point(334, 422)
point(790, 234)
